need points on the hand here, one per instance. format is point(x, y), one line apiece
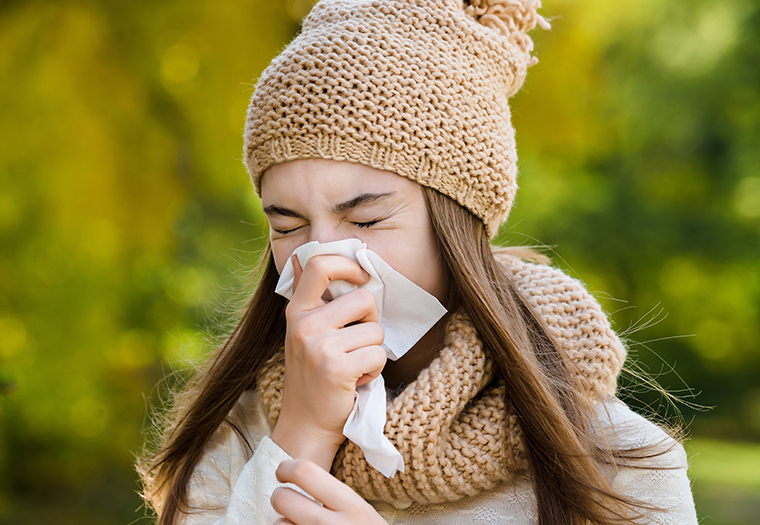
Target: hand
point(340, 504)
point(330, 348)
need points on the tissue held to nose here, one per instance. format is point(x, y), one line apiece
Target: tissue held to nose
point(405, 312)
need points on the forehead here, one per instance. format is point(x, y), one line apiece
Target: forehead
point(320, 179)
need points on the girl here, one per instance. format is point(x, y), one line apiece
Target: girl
point(388, 121)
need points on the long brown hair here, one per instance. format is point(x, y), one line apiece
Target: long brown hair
point(564, 458)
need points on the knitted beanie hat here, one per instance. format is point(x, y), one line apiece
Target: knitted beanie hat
point(416, 87)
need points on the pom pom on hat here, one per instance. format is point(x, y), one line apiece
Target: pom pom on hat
point(512, 18)
point(416, 87)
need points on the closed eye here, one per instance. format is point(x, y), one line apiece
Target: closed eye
point(285, 232)
point(366, 224)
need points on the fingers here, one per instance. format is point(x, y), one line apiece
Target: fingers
point(330, 348)
point(318, 273)
point(359, 343)
point(294, 507)
point(346, 356)
point(340, 504)
point(358, 336)
point(367, 363)
point(367, 378)
point(355, 309)
point(315, 481)
point(357, 306)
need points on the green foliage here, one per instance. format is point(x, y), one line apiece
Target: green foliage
point(128, 226)
point(125, 220)
point(726, 481)
point(638, 135)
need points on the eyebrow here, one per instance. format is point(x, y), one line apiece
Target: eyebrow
point(279, 210)
point(360, 200)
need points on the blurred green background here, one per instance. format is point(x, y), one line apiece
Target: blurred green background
point(128, 227)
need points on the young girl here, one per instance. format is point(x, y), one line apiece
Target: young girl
point(388, 121)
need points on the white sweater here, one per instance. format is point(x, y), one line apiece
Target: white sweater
point(232, 484)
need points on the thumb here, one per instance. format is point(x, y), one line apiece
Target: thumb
point(297, 270)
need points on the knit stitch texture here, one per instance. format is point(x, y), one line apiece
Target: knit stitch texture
point(448, 424)
point(416, 87)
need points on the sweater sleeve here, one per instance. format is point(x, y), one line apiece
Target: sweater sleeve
point(659, 481)
point(229, 486)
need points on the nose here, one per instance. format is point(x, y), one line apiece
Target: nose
point(324, 233)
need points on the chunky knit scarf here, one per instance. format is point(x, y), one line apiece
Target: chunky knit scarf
point(449, 423)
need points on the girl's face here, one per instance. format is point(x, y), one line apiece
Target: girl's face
point(324, 200)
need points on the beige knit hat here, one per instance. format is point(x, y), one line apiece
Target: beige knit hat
point(416, 87)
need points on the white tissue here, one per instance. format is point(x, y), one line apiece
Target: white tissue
point(406, 313)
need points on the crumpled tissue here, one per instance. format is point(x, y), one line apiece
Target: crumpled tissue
point(406, 313)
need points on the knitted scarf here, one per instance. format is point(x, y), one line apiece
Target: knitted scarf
point(449, 423)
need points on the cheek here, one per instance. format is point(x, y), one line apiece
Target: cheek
point(429, 261)
point(418, 261)
point(430, 274)
point(281, 251)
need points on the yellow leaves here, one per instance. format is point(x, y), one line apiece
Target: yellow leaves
point(11, 205)
point(695, 41)
point(120, 196)
point(557, 111)
point(236, 114)
point(297, 9)
point(179, 64)
point(180, 61)
point(673, 183)
point(716, 303)
point(89, 417)
point(716, 342)
point(190, 286)
point(601, 20)
point(134, 349)
point(13, 337)
point(183, 348)
point(747, 197)
point(683, 278)
point(102, 240)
